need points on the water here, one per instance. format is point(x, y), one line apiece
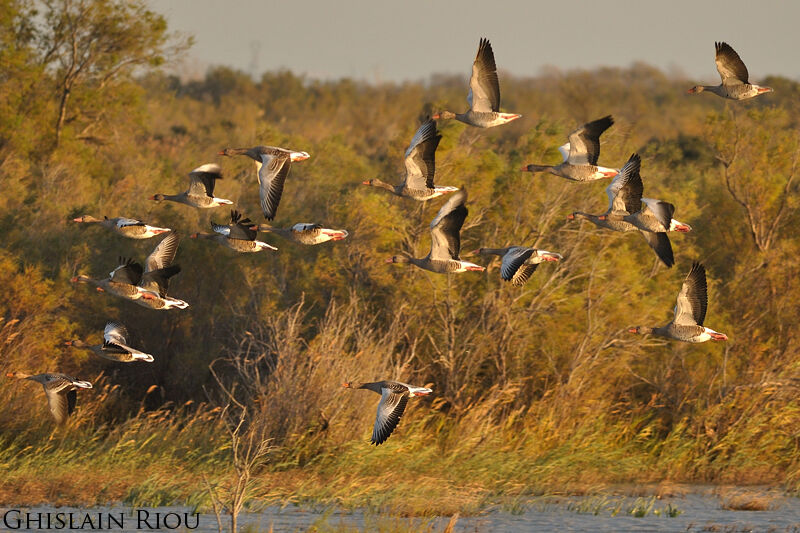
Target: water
point(693, 512)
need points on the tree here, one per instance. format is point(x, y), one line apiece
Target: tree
point(90, 44)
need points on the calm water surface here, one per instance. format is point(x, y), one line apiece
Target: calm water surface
point(688, 512)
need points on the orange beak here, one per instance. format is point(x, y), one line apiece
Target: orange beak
point(570, 217)
point(436, 116)
point(100, 289)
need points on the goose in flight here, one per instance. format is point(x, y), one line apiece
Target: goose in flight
point(445, 240)
point(690, 312)
point(60, 389)
point(201, 189)
point(624, 198)
point(581, 154)
point(420, 160)
point(115, 346)
point(306, 233)
point(127, 227)
point(734, 75)
point(519, 262)
point(484, 93)
point(394, 396)
point(652, 215)
point(272, 168)
point(240, 235)
point(147, 287)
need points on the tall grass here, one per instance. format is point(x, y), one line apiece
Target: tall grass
point(442, 458)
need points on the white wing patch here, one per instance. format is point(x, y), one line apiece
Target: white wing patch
point(564, 149)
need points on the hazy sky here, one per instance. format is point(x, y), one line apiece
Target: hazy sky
point(412, 39)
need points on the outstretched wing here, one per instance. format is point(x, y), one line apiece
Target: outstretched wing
point(446, 227)
point(625, 190)
point(584, 143)
point(513, 262)
point(157, 281)
point(390, 409)
point(421, 157)
point(203, 178)
point(271, 176)
point(125, 222)
point(693, 298)
point(116, 333)
point(660, 244)
point(730, 66)
point(484, 89)
point(128, 271)
point(163, 254)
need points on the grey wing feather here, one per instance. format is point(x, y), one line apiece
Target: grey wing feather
point(660, 244)
point(116, 333)
point(163, 254)
point(730, 66)
point(420, 157)
point(390, 409)
point(625, 190)
point(484, 88)
point(271, 176)
point(222, 229)
point(59, 405)
point(446, 227)
point(513, 260)
point(124, 222)
point(128, 271)
point(203, 178)
point(584, 142)
point(693, 298)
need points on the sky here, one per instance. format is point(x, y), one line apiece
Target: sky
point(380, 41)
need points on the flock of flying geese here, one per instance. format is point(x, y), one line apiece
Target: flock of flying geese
point(627, 211)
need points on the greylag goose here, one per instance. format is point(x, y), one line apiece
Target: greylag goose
point(580, 154)
point(146, 287)
point(654, 216)
point(519, 262)
point(127, 227)
point(60, 389)
point(624, 198)
point(201, 189)
point(272, 168)
point(420, 162)
point(690, 312)
point(239, 235)
point(305, 233)
point(484, 93)
point(445, 240)
point(115, 346)
point(733, 72)
point(394, 397)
